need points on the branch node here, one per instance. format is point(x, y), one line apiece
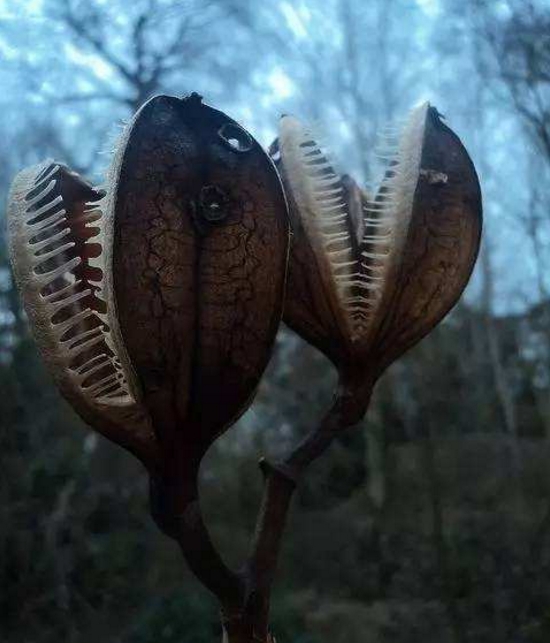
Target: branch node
point(278, 468)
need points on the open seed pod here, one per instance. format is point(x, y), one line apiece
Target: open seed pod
point(369, 277)
point(57, 237)
point(156, 305)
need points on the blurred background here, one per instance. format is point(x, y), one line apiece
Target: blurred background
point(432, 524)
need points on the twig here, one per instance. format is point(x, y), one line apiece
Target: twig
point(349, 407)
point(175, 504)
point(175, 507)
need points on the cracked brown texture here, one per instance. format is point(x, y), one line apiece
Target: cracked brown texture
point(199, 303)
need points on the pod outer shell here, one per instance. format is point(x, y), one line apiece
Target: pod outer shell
point(430, 272)
point(442, 245)
point(199, 261)
point(54, 219)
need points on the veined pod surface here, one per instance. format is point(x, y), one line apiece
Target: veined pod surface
point(369, 277)
point(199, 262)
point(155, 305)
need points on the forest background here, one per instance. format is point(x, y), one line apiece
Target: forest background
point(432, 522)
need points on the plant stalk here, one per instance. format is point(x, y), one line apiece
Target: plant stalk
point(245, 596)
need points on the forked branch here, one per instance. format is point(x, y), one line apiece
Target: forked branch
point(281, 478)
point(244, 597)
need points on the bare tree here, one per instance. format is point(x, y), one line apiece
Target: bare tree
point(155, 45)
point(520, 42)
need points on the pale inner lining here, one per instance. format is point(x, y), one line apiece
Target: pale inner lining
point(359, 276)
point(65, 259)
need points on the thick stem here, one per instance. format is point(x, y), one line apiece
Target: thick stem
point(349, 407)
point(175, 507)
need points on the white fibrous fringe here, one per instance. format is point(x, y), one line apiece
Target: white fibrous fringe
point(64, 278)
point(359, 278)
point(321, 201)
point(387, 218)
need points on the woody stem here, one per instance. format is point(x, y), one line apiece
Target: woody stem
point(175, 507)
point(348, 408)
point(245, 597)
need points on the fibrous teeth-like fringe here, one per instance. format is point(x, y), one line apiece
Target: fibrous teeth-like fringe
point(387, 218)
point(320, 196)
point(360, 275)
point(357, 259)
point(64, 272)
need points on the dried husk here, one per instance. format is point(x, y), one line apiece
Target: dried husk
point(369, 277)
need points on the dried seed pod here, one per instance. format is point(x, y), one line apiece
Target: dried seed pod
point(366, 283)
point(199, 262)
point(57, 238)
point(156, 305)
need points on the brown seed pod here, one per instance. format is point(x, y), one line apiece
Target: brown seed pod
point(57, 237)
point(368, 278)
point(199, 262)
point(156, 305)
